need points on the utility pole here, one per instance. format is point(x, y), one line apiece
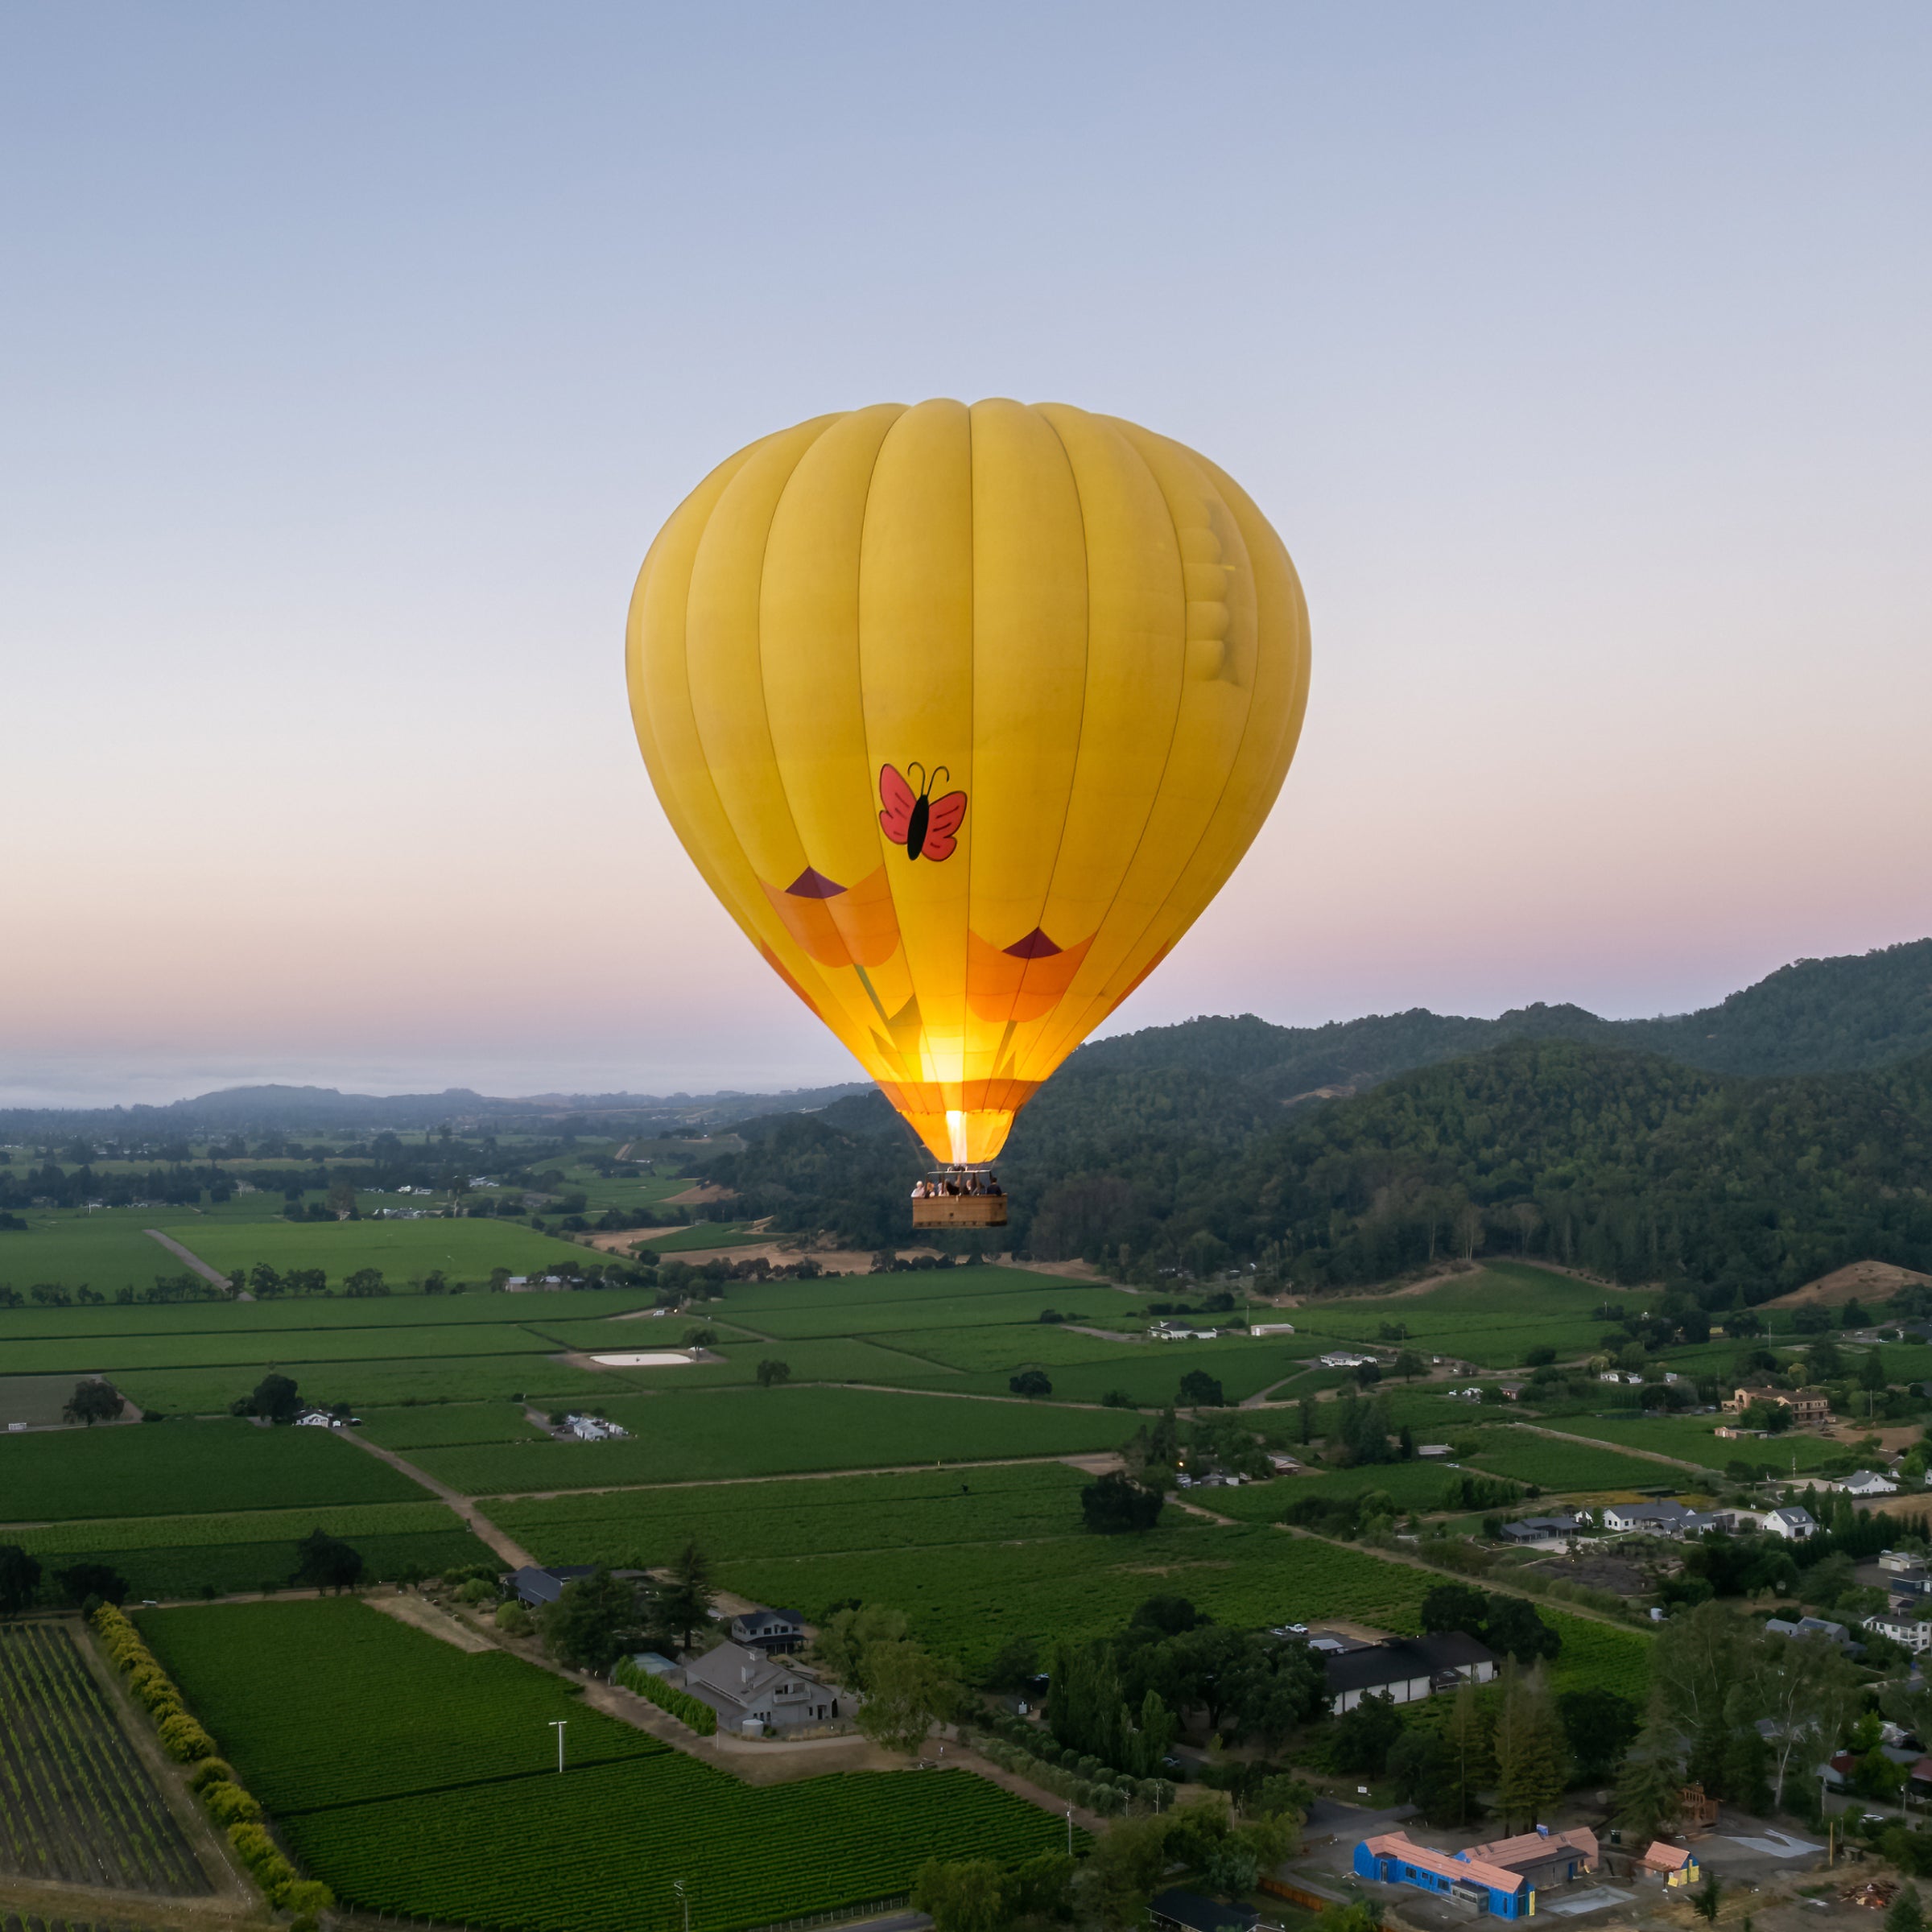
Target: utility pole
point(1070, 1830)
point(557, 1724)
point(684, 1899)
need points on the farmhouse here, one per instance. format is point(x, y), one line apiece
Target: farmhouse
point(1537, 1531)
point(1866, 1482)
point(1344, 1358)
point(1404, 1670)
point(534, 1587)
point(751, 1692)
point(776, 1632)
point(1547, 1858)
point(1656, 1519)
point(1805, 1405)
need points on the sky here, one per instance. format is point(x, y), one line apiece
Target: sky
point(351, 357)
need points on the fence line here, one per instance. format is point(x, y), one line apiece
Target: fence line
point(844, 1915)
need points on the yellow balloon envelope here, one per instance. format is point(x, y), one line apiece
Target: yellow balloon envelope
point(965, 714)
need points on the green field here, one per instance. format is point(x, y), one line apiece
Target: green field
point(743, 1521)
point(776, 1432)
point(465, 1250)
point(105, 1253)
point(436, 1426)
point(1690, 1439)
point(417, 1780)
point(370, 1384)
point(170, 1468)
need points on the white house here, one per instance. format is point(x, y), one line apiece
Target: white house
point(594, 1429)
point(1866, 1482)
point(1791, 1523)
point(1906, 1630)
point(318, 1418)
point(749, 1691)
point(1344, 1358)
point(1271, 1328)
point(1656, 1519)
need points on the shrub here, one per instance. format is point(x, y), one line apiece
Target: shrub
point(514, 1620)
point(184, 1739)
point(692, 1712)
point(228, 1804)
point(211, 1771)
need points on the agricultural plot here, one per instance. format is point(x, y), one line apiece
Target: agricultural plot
point(437, 1425)
point(778, 1432)
point(835, 1359)
point(987, 1306)
point(416, 1779)
point(36, 1400)
point(1553, 1465)
point(168, 1468)
point(465, 1250)
point(1148, 1374)
point(1691, 1439)
point(750, 1299)
point(187, 1556)
point(370, 1384)
point(930, 1510)
point(106, 1254)
point(77, 1806)
point(118, 1355)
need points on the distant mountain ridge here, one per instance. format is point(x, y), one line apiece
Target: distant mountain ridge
point(1849, 1014)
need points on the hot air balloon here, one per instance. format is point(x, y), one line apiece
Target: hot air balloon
point(965, 712)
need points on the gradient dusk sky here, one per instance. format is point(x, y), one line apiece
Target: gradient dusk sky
point(350, 357)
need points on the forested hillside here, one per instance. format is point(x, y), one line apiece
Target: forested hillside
point(1817, 1016)
point(1173, 1149)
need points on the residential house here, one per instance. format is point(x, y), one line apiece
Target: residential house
point(1512, 1391)
point(1791, 1523)
point(1395, 1858)
point(777, 1633)
point(1344, 1358)
point(1900, 1563)
point(534, 1587)
point(1261, 1328)
point(751, 1692)
point(1403, 1669)
point(1656, 1519)
point(318, 1418)
point(1812, 1626)
point(1179, 1331)
point(1906, 1630)
point(1867, 1482)
point(1805, 1405)
point(594, 1429)
point(1178, 1911)
point(1533, 1532)
point(1282, 1463)
point(1432, 1451)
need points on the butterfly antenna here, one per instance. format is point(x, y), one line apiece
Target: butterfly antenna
point(942, 773)
point(912, 765)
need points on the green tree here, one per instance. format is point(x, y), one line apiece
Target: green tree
point(1031, 1382)
point(1599, 1727)
point(1532, 1756)
point(593, 1623)
point(1512, 1627)
point(1419, 1767)
point(81, 1581)
point(1455, 1607)
point(1115, 1503)
point(1198, 1390)
point(365, 1283)
point(847, 1637)
point(682, 1604)
point(1905, 1914)
point(325, 1562)
point(907, 1693)
point(1122, 1872)
point(963, 1895)
point(92, 1401)
point(1651, 1774)
point(773, 1373)
point(1468, 1735)
point(19, 1579)
point(275, 1399)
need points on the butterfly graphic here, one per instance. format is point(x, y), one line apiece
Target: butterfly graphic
point(923, 824)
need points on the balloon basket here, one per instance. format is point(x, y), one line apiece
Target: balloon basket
point(961, 1210)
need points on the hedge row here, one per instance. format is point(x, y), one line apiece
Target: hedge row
point(689, 1710)
point(213, 1778)
point(1100, 1790)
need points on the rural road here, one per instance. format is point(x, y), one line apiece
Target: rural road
point(204, 1268)
point(512, 1553)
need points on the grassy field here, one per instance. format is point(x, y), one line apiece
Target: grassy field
point(170, 1468)
point(775, 1432)
point(106, 1254)
point(438, 1425)
point(418, 1780)
point(1690, 1439)
point(366, 1385)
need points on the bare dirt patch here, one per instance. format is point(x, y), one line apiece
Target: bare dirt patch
point(700, 1196)
point(420, 1614)
point(1854, 1283)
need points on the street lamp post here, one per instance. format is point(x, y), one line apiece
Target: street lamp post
point(684, 1900)
point(557, 1724)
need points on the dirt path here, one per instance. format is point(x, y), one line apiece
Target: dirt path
point(206, 1270)
point(1093, 1462)
point(512, 1553)
point(1260, 1397)
point(420, 1614)
point(1646, 1455)
point(1492, 1581)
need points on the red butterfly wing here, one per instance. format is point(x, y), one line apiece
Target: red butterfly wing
point(899, 798)
point(947, 813)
